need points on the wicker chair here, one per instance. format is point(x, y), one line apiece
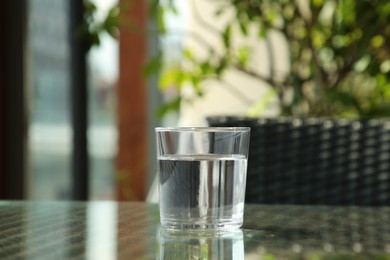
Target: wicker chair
point(316, 161)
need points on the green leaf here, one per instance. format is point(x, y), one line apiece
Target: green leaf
point(170, 106)
point(154, 65)
point(317, 3)
point(111, 25)
point(160, 21)
point(220, 68)
point(226, 35)
point(243, 56)
point(262, 32)
point(243, 27)
point(188, 54)
point(172, 77)
point(195, 80)
point(205, 67)
point(90, 7)
point(347, 11)
point(219, 12)
point(259, 107)
point(114, 11)
point(270, 17)
point(318, 38)
point(94, 39)
point(153, 7)
point(377, 41)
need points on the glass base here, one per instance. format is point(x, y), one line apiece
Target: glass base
point(196, 224)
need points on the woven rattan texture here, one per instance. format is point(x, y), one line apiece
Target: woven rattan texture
point(316, 161)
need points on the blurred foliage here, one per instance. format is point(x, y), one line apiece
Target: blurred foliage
point(338, 53)
point(92, 28)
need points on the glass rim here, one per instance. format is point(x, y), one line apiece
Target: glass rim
point(203, 129)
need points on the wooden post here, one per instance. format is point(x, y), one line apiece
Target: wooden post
point(132, 170)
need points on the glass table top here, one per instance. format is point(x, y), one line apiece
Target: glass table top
point(131, 230)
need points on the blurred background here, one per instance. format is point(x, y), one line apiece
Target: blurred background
point(52, 81)
point(83, 84)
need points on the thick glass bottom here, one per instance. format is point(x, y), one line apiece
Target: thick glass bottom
point(201, 224)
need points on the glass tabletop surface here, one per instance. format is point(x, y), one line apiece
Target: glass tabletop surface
point(131, 230)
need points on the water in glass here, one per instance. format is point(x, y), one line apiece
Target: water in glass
point(202, 191)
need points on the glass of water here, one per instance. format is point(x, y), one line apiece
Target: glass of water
point(202, 176)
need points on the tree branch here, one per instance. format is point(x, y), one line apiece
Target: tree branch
point(254, 74)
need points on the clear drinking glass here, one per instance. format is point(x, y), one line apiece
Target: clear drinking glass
point(202, 176)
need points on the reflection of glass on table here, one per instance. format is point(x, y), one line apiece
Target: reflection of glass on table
point(181, 244)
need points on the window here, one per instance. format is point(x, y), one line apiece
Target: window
point(48, 84)
point(50, 130)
